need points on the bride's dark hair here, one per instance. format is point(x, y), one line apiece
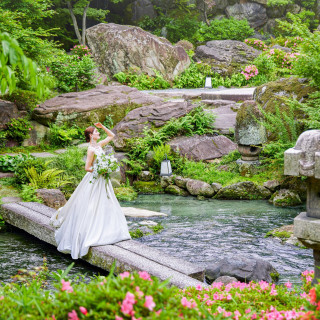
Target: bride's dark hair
point(87, 133)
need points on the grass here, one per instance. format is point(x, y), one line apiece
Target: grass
point(210, 173)
point(7, 189)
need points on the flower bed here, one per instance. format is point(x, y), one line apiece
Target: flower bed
point(138, 296)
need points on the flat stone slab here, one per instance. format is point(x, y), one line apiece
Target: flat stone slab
point(141, 213)
point(6, 175)
point(234, 94)
point(307, 229)
point(226, 118)
point(43, 154)
point(11, 199)
point(129, 255)
point(240, 94)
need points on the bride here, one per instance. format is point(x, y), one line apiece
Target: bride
point(92, 216)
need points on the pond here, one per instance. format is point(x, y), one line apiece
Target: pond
point(198, 231)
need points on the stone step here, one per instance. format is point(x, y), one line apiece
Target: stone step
point(129, 255)
point(218, 102)
point(6, 175)
point(226, 119)
point(236, 95)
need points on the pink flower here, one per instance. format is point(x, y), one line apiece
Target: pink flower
point(118, 318)
point(73, 315)
point(185, 302)
point(159, 311)
point(199, 287)
point(149, 303)
point(66, 286)
point(144, 275)
point(288, 285)
point(139, 292)
point(248, 310)
point(127, 304)
point(30, 129)
point(83, 310)
point(125, 274)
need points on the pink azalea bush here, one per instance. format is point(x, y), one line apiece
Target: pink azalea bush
point(80, 51)
point(138, 296)
point(257, 44)
point(250, 72)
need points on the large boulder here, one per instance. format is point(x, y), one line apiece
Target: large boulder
point(8, 111)
point(246, 190)
point(255, 13)
point(205, 147)
point(226, 56)
point(86, 107)
point(117, 48)
point(276, 92)
point(37, 135)
point(242, 268)
point(151, 116)
point(52, 198)
point(200, 188)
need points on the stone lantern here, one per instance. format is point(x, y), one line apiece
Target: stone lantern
point(250, 134)
point(304, 160)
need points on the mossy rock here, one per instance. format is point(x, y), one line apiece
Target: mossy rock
point(148, 187)
point(285, 198)
point(285, 235)
point(246, 190)
point(276, 93)
point(125, 193)
point(173, 189)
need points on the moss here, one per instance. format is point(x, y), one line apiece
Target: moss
point(148, 187)
point(275, 276)
point(125, 193)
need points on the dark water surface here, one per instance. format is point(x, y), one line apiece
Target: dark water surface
point(197, 231)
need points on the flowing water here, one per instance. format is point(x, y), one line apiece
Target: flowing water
point(198, 231)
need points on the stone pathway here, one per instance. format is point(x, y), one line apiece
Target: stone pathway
point(141, 213)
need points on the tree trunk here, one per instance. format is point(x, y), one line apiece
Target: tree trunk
point(84, 25)
point(74, 20)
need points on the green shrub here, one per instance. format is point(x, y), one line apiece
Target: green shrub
point(18, 129)
point(135, 78)
point(224, 29)
point(9, 163)
point(125, 193)
point(72, 162)
point(64, 135)
point(176, 28)
point(308, 63)
point(23, 99)
point(266, 66)
point(20, 173)
point(195, 75)
point(28, 194)
point(74, 73)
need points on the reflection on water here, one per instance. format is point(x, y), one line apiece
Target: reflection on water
point(19, 250)
point(198, 231)
point(207, 231)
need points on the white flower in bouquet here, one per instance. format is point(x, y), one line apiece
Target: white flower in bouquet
point(104, 166)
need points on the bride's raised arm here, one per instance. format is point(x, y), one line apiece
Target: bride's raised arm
point(110, 134)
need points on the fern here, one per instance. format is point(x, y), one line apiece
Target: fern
point(49, 178)
point(282, 124)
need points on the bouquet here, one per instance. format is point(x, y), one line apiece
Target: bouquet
point(104, 166)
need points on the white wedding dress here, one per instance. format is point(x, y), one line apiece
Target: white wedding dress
point(91, 217)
